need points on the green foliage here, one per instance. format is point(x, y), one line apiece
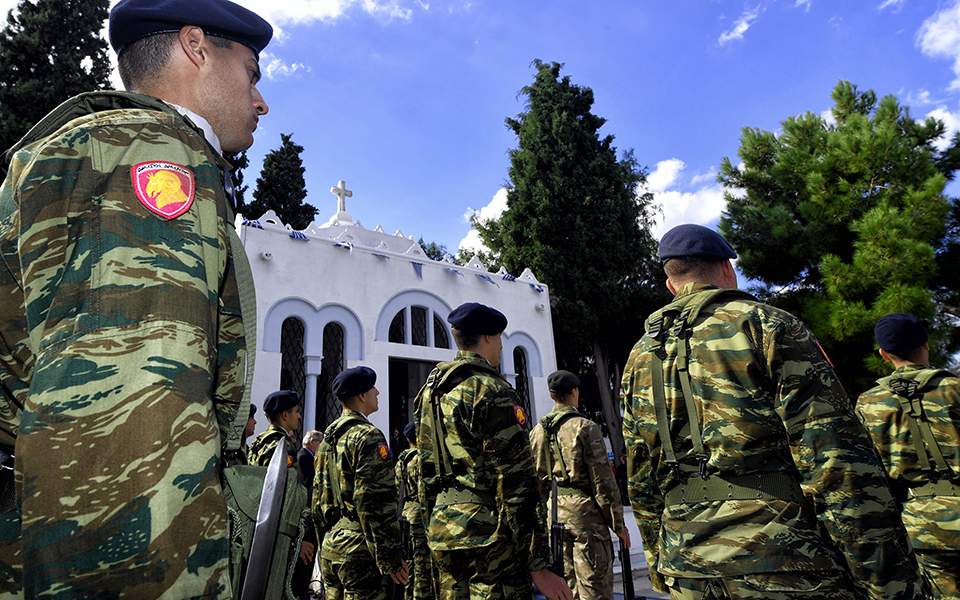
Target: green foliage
point(433, 250)
point(281, 186)
point(465, 255)
point(576, 218)
point(239, 162)
point(848, 222)
point(50, 51)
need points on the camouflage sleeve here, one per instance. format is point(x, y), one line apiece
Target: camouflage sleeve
point(375, 500)
point(604, 487)
point(837, 462)
point(121, 306)
point(645, 496)
point(507, 447)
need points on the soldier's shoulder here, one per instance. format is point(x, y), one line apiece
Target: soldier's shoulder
point(874, 397)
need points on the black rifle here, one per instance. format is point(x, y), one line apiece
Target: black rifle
point(557, 532)
point(626, 571)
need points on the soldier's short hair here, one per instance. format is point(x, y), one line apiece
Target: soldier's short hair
point(146, 58)
point(312, 437)
point(691, 266)
point(465, 340)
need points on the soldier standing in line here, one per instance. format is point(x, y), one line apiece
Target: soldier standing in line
point(729, 406)
point(247, 432)
point(408, 481)
point(283, 410)
point(913, 416)
point(478, 488)
point(355, 497)
point(124, 312)
point(569, 448)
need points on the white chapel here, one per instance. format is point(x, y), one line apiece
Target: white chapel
point(340, 295)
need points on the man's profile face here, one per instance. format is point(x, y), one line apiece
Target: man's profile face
point(231, 101)
point(251, 426)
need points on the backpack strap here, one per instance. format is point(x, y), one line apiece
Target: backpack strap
point(332, 436)
point(552, 428)
point(910, 393)
point(438, 385)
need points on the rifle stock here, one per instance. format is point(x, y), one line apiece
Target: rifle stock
point(626, 572)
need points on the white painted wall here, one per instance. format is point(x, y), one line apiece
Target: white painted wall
point(320, 282)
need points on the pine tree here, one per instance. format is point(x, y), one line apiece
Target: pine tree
point(281, 186)
point(50, 51)
point(576, 217)
point(240, 161)
point(845, 223)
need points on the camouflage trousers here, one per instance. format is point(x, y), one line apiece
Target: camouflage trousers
point(488, 573)
point(942, 570)
point(11, 560)
point(588, 564)
point(352, 580)
point(811, 585)
point(422, 580)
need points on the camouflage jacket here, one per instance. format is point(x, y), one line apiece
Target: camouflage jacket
point(408, 474)
point(261, 450)
point(477, 485)
point(768, 403)
point(123, 346)
point(363, 523)
point(933, 522)
point(579, 459)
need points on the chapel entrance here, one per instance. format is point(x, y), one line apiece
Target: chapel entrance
point(406, 379)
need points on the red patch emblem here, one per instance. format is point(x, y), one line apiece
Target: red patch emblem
point(520, 415)
point(383, 453)
point(164, 188)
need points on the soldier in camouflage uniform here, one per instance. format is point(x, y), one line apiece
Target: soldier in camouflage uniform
point(283, 410)
point(123, 359)
point(355, 498)
point(247, 432)
point(569, 449)
point(408, 480)
point(729, 406)
point(913, 416)
point(478, 490)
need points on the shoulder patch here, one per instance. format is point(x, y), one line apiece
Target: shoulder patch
point(166, 189)
point(520, 415)
point(383, 452)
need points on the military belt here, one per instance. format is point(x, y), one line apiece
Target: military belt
point(944, 487)
point(348, 524)
point(463, 496)
point(764, 486)
point(569, 490)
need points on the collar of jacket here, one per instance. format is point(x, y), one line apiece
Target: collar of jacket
point(93, 102)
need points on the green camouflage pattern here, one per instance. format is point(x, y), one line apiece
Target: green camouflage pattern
point(122, 359)
point(353, 579)
point(932, 522)
point(942, 570)
point(491, 572)
point(579, 460)
point(368, 530)
point(769, 402)
point(830, 585)
point(262, 448)
point(483, 428)
point(420, 586)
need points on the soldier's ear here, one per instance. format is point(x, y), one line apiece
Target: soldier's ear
point(193, 44)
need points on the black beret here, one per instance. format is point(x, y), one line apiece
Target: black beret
point(694, 240)
point(474, 318)
point(280, 401)
point(900, 334)
point(562, 382)
point(355, 381)
point(133, 20)
point(410, 431)
point(253, 411)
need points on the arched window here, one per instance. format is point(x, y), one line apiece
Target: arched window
point(292, 363)
point(523, 377)
point(418, 326)
point(328, 405)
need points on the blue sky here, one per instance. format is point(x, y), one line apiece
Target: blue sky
point(405, 99)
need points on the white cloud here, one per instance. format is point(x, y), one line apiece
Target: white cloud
point(710, 176)
point(896, 5)
point(275, 69)
point(5, 7)
point(702, 206)
point(921, 97)
point(492, 211)
point(828, 118)
point(283, 13)
point(939, 36)
point(951, 122)
point(740, 26)
point(804, 4)
point(665, 174)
